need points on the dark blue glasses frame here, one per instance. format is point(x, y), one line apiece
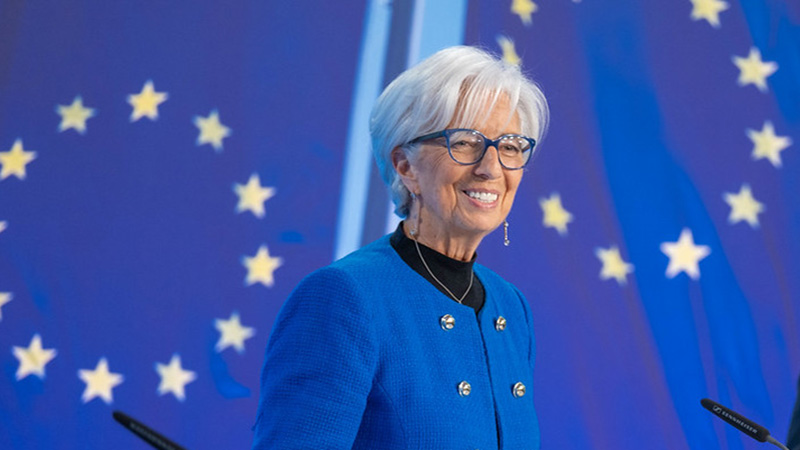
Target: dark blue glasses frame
point(486, 144)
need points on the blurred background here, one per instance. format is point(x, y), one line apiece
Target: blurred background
point(171, 170)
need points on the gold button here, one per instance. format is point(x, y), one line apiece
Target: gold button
point(447, 322)
point(500, 323)
point(464, 389)
point(519, 390)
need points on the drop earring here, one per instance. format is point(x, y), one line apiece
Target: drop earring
point(414, 228)
point(505, 233)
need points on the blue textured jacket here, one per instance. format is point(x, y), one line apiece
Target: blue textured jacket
point(360, 358)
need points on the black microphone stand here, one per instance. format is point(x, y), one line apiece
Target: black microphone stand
point(741, 423)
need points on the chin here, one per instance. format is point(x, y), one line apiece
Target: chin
point(481, 225)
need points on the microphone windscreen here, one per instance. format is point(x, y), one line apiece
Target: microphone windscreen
point(147, 434)
point(744, 424)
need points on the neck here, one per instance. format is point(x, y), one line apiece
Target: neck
point(461, 248)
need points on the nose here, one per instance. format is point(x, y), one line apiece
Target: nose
point(489, 166)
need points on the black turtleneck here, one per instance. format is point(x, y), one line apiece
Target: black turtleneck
point(453, 273)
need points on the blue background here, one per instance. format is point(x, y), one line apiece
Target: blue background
point(124, 242)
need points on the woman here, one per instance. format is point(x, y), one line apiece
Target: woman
point(407, 343)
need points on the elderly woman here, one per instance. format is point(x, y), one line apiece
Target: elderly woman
point(407, 342)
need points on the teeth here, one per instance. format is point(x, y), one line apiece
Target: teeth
point(485, 197)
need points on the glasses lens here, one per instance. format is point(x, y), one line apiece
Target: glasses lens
point(514, 151)
point(466, 146)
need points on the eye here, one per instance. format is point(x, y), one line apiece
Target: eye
point(461, 144)
point(510, 148)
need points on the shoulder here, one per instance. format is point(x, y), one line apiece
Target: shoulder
point(374, 257)
point(340, 297)
point(349, 279)
point(333, 302)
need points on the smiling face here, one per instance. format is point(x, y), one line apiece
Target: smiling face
point(458, 202)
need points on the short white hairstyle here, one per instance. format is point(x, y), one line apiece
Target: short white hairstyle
point(450, 88)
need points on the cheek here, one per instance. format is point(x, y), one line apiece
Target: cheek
point(436, 177)
point(443, 190)
point(512, 184)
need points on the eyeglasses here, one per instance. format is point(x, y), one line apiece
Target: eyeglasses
point(468, 147)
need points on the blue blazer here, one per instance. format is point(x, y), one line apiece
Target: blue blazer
point(362, 356)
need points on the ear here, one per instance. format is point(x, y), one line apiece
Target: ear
point(405, 170)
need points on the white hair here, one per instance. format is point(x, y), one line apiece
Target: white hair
point(450, 88)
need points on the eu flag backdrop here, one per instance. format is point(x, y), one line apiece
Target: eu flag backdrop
point(170, 171)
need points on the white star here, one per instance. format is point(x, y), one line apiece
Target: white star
point(524, 9)
point(261, 267)
point(74, 116)
point(252, 196)
point(33, 359)
point(173, 378)
point(232, 333)
point(752, 70)
point(555, 215)
point(766, 144)
point(743, 206)
point(99, 382)
point(708, 10)
point(5, 297)
point(3, 225)
point(684, 256)
point(613, 264)
point(14, 161)
point(211, 130)
point(509, 50)
point(145, 103)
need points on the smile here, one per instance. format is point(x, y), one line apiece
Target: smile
point(483, 197)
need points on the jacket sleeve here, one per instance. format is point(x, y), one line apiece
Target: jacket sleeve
point(535, 441)
point(531, 336)
point(319, 366)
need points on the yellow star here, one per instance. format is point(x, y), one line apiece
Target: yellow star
point(211, 130)
point(99, 382)
point(252, 196)
point(509, 51)
point(752, 70)
point(767, 145)
point(260, 268)
point(684, 256)
point(524, 9)
point(743, 206)
point(708, 10)
point(145, 103)
point(173, 378)
point(15, 160)
point(232, 333)
point(74, 116)
point(613, 265)
point(5, 297)
point(555, 215)
point(33, 359)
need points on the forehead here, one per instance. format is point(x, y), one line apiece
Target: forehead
point(491, 115)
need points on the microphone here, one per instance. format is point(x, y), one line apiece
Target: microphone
point(742, 423)
point(146, 433)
